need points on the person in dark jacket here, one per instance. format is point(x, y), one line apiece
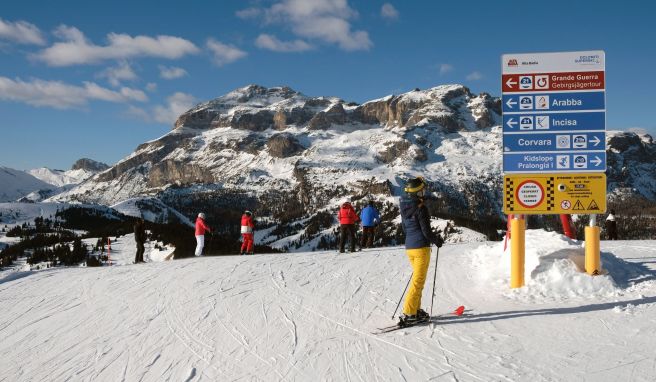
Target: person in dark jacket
point(611, 226)
point(370, 219)
point(415, 220)
point(347, 219)
point(140, 238)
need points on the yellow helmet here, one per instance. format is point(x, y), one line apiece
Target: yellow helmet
point(415, 185)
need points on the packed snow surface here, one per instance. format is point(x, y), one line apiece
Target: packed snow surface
point(310, 317)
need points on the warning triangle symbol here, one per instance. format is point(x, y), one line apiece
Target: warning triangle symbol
point(593, 206)
point(578, 206)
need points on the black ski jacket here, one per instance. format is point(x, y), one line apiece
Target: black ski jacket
point(416, 223)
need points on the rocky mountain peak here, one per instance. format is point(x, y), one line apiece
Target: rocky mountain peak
point(89, 165)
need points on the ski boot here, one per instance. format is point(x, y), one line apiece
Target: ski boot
point(422, 315)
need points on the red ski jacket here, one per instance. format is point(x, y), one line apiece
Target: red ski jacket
point(201, 227)
point(247, 224)
point(347, 215)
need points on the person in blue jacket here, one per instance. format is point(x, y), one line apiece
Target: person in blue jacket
point(370, 219)
point(415, 220)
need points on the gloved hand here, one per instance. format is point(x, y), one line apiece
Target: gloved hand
point(439, 241)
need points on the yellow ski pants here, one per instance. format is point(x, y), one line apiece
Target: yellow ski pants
point(419, 260)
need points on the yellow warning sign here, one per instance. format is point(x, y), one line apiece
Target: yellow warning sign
point(555, 193)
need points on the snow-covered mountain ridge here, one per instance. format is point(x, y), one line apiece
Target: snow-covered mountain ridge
point(15, 184)
point(263, 139)
point(81, 170)
point(276, 150)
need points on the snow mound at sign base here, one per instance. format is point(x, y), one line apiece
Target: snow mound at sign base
point(554, 270)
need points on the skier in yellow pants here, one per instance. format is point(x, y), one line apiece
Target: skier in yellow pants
point(415, 220)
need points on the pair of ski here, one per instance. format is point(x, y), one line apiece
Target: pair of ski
point(409, 324)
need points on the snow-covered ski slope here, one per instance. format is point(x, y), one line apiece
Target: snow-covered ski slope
point(310, 317)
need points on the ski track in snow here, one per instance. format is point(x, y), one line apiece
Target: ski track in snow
point(309, 316)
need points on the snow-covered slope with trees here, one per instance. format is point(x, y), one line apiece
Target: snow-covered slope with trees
point(311, 316)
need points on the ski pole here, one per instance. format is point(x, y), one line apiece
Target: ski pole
point(406, 288)
point(437, 252)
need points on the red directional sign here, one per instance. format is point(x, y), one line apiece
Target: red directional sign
point(553, 81)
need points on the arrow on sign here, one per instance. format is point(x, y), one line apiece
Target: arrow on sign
point(510, 82)
point(510, 103)
point(511, 123)
point(597, 161)
point(595, 140)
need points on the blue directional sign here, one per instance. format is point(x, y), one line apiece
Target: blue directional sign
point(554, 112)
point(523, 102)
point(584, 161)
point(595, 120)
point(554, 142)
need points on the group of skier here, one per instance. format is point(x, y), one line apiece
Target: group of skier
point(348, 218)
point(247, 232)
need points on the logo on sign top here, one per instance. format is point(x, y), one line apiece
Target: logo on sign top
point(526, 102)
point(512, 62)
point(541, 82)
point(525, 82)
point(588, 60)
point(530, 194)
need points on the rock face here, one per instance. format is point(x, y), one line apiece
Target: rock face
point(631, 163)
point(89, 165)
point(290, 157)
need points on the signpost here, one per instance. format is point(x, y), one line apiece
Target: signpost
point(554, 134)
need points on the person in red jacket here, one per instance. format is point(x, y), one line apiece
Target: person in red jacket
point(201, 228)
point(347, 219)
point(247, 227)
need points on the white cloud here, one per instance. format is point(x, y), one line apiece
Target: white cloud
point(249, 13)
point(151, 86)
point(224, 53)
point(60, 95)
point(176, 104)
point(172, 72)
point(445, 68)
point(122, 72)
point(474, 76)
point(76, 49)
point(21, 32)
point(327, 21)
point(270, 42)
point(387, 11)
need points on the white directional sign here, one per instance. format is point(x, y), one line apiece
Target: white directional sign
point(554, 112)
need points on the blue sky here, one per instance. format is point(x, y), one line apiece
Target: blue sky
point(96, 79)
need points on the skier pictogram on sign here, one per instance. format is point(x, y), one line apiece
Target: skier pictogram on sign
point(593, 206)
point(578, 206)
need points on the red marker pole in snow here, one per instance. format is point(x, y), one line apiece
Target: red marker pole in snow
point(568, 229)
